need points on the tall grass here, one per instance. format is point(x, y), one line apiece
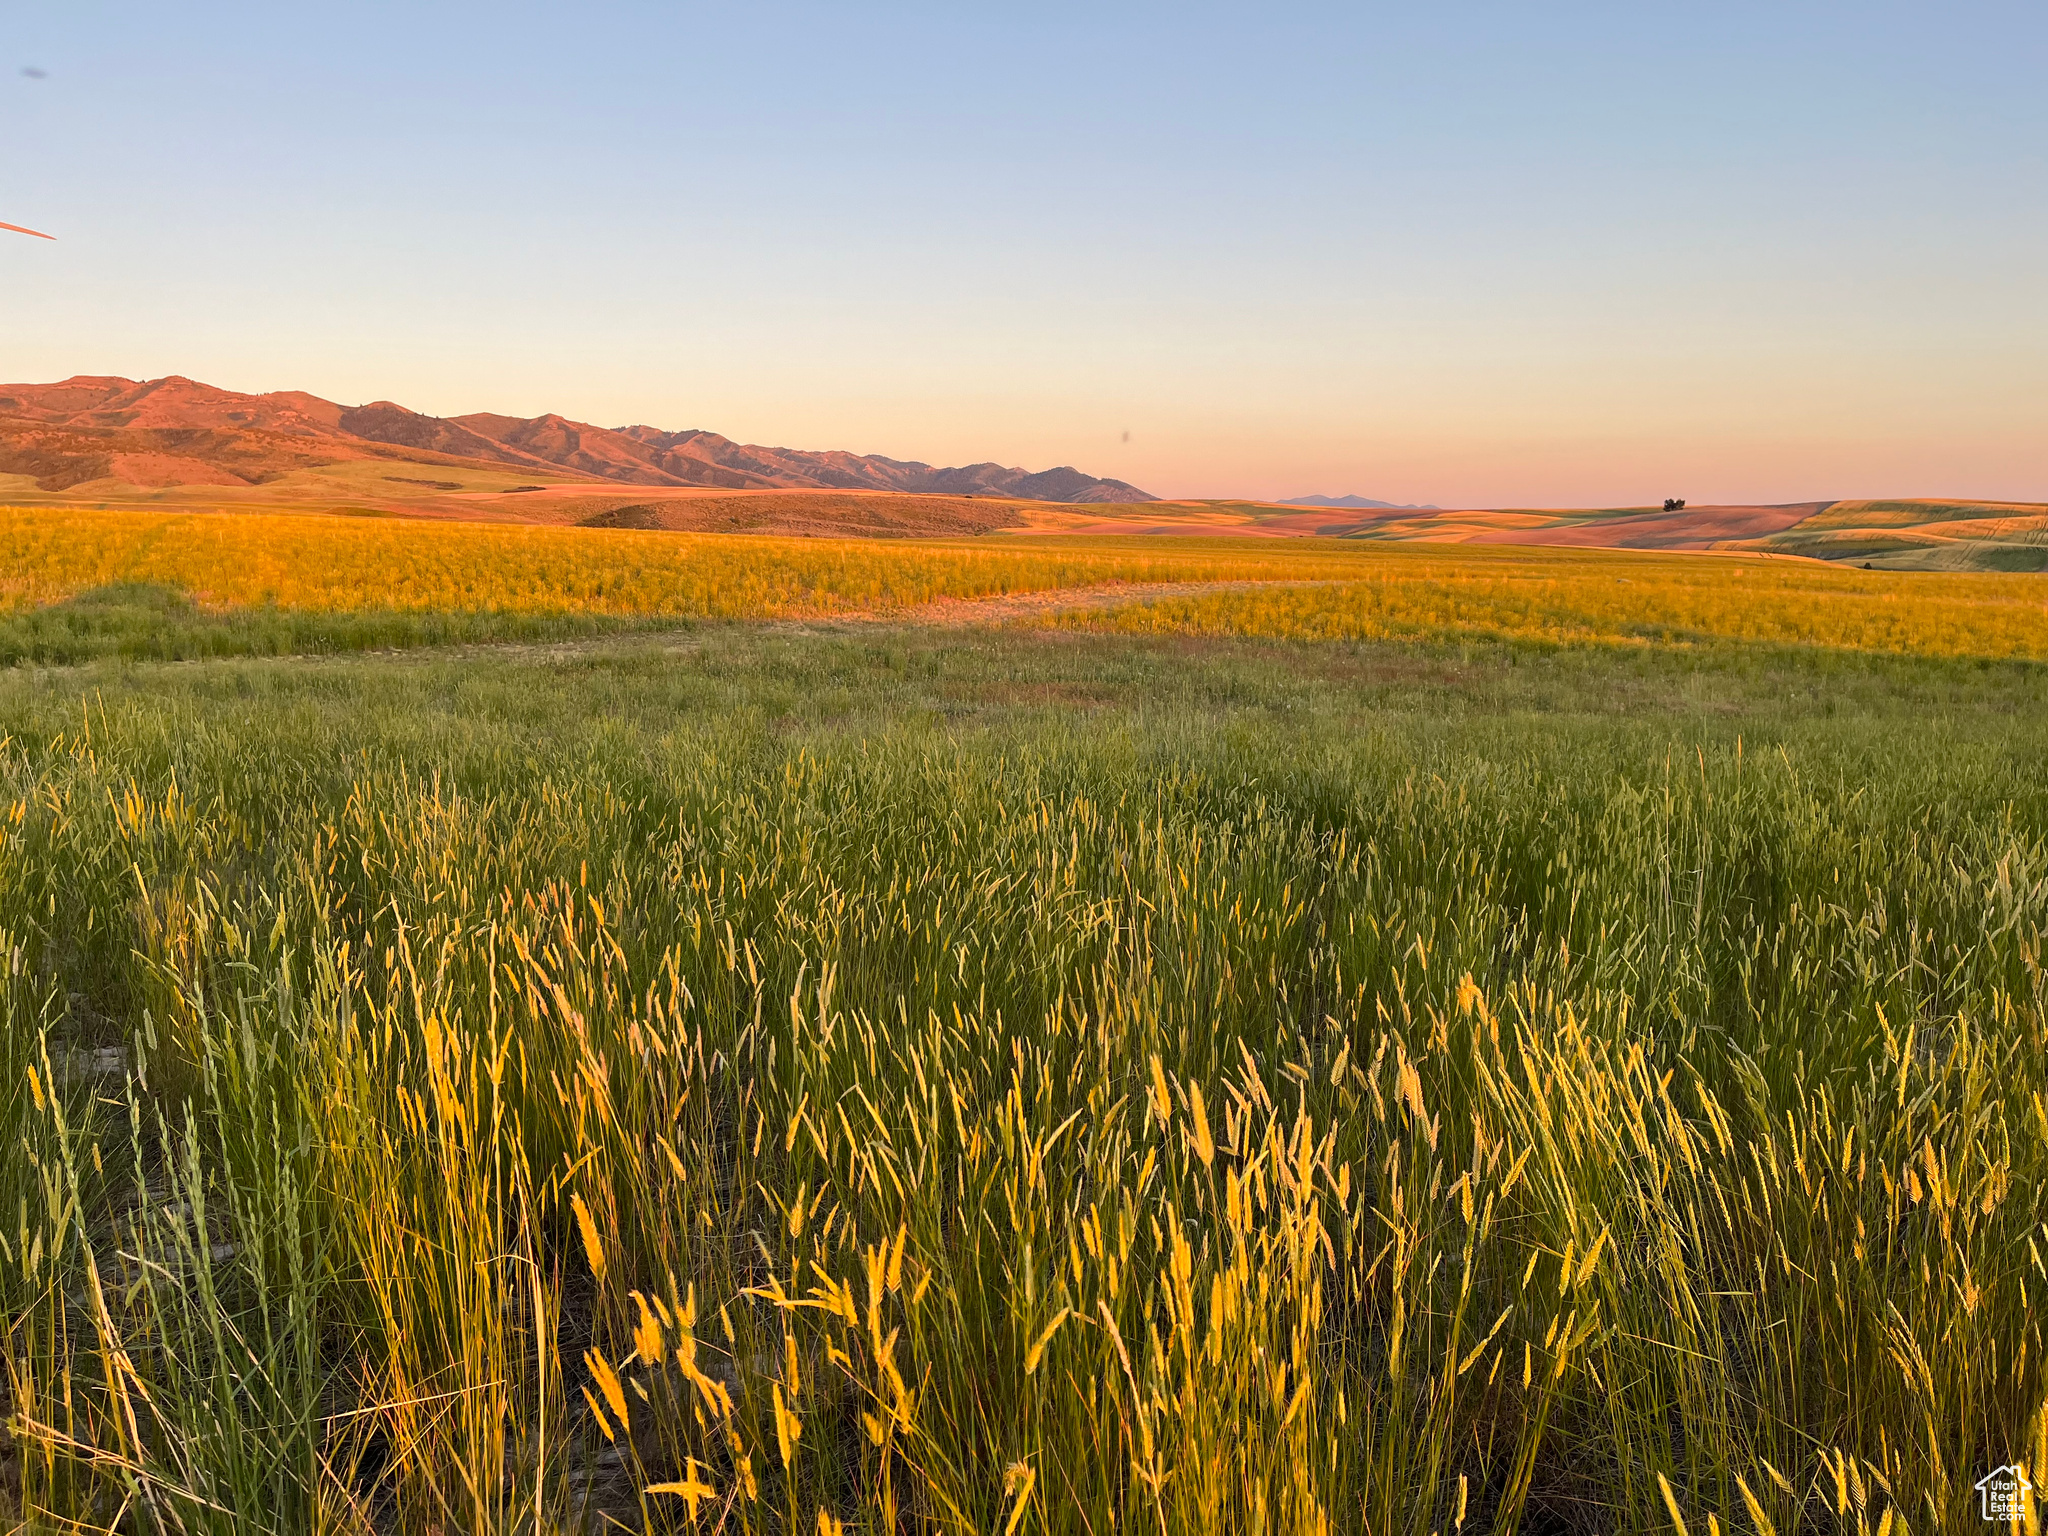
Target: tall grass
point(1035, 1133)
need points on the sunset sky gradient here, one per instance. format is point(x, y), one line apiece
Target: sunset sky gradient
point(1470, 254)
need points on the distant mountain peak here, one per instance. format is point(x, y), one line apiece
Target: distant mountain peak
point(1357, 502)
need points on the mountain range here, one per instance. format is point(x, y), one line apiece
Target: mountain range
point(176, 432)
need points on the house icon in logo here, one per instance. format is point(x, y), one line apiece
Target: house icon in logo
point(2004, 1491)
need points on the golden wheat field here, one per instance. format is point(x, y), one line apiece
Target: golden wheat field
point(324, 564)
point(1620, 599)
point(1321, 589)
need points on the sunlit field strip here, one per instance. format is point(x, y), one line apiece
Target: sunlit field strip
point(1608, 601)
point(347, 565)
point(323, 565)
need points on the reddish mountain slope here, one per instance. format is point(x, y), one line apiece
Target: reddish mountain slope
point(168, 404)
point(175, 431)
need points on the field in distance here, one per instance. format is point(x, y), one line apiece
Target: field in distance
point(82, 582)
point(1899, 535)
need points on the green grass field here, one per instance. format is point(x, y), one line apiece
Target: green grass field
point(779, 1079)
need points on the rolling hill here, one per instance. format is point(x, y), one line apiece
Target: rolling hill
point(1921, 534)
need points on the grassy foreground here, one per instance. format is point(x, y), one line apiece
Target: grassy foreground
point(785, 1082)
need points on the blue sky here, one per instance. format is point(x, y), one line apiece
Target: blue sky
point(1467, 254)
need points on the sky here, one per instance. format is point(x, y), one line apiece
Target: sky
point(1454, 253)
